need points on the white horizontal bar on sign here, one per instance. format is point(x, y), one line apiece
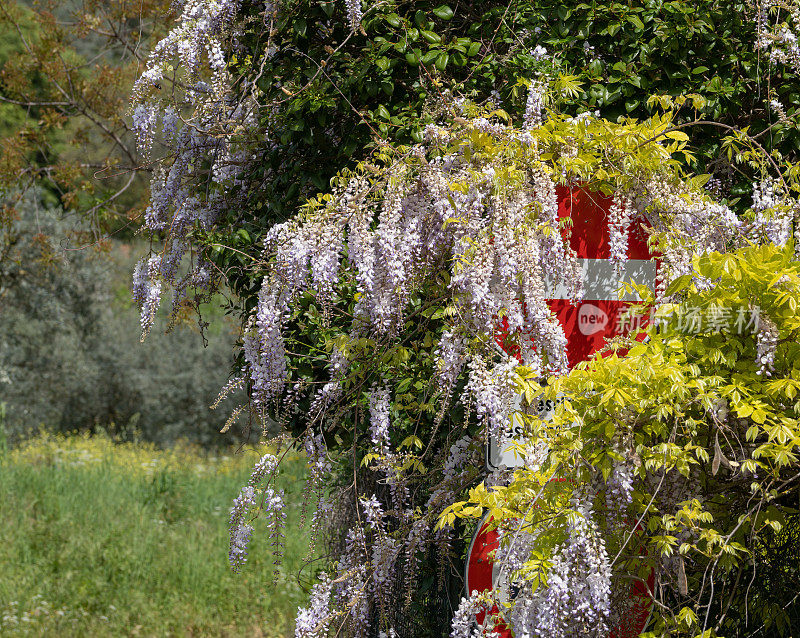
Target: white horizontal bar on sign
point(601, 282)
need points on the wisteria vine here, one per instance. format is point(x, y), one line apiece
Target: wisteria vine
point(474, 205)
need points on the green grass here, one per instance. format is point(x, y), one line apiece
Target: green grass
point(104, 539)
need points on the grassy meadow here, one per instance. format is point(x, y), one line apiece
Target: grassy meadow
point(99, 538)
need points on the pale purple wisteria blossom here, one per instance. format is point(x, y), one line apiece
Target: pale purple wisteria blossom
point(773, 217)
point(766, 345)
point(264, 348)
point(169, 123)
point(700, 223)
point(533, 105)
point(273, 508)
point(493, 391)
point(619, 493)
point(619, 487)
point(379, 420)
point(385, 552)
point(146, 290)
point(465, 624)
point(764, 195)
point(352, 590)
point(576, 600)
point(779, 37)
point(620, 216)
point(145, 121)
point(354, 13)
point(239, 540)
point(313, 621)
point(263, 469)
point(373, 512)
point(316, 456)
point(450, 361)
point(539, 52)
point(239, 526)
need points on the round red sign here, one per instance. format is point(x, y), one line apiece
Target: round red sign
point(483, 574)
point(586, 325)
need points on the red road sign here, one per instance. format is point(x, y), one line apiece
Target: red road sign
point(481, 574)
point(586, 326)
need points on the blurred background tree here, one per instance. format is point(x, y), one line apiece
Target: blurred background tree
point(71, 190)
point(66, 69)
point(70, 356)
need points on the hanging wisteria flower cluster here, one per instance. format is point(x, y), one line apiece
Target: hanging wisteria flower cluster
point(257, 495)
point(777, 22)
point(199, 132)
point(576, 600)
point(478, 201)
point(774, 213)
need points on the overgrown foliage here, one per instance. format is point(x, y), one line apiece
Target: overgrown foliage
point(702, 419)
point(369, 312)
point(451, 228)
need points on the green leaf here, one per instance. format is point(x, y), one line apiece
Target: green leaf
point(430, 56)
point(677, 135)
point(443, 11)
point(636, 21)
point(459, 59)
point(393, 19)
point(412, 441)
point(679, 284)
point(631, 105)
point(431, 37)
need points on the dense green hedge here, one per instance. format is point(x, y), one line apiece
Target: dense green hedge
point(333, 94)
